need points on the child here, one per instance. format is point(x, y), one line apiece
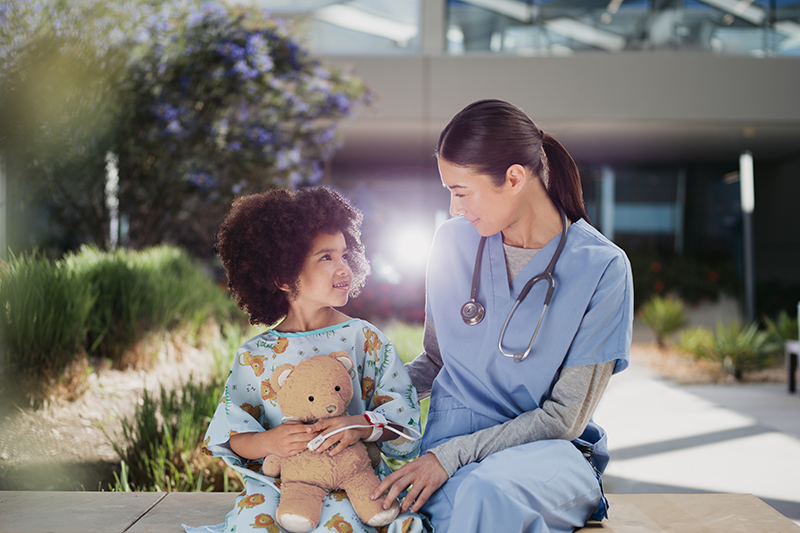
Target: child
point(292, 258)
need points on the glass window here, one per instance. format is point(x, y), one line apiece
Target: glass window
point(353, 27)
point(560, 27)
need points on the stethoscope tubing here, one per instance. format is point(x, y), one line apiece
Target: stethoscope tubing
point(472, 312)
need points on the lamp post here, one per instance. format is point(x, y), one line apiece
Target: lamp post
point(748, 200)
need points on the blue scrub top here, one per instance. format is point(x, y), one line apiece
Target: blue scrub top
point(589, 320)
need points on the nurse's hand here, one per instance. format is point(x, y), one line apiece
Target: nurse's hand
point(424, 474)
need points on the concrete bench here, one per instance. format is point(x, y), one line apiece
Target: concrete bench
point(152, 512)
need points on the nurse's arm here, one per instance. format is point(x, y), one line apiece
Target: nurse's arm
point(425, 367)
point(564, 415)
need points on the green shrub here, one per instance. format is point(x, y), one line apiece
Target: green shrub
point(664, 316)
point(45, 309)
point(160, 446)
point(55, 313)
point(784, 328)
point(693, 278)
point(148, 291)
point(161, 449)
point(737, 348)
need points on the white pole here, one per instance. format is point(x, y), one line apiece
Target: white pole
point(607, 193)
point(112, 201)
point(746, 182)
point(748, 199)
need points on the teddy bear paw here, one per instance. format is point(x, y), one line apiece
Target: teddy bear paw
point(385, 517)
point(295, 523)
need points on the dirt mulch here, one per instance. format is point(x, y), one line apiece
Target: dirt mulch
point(686, 370)
point(66, 445)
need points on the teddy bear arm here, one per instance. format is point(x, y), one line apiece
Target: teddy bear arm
point(271, 466)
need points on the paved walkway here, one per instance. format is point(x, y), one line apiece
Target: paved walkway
point(669, 438)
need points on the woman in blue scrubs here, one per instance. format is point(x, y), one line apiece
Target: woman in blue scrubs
point(511, 445)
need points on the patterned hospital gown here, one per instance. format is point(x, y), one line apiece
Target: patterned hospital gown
point(380, 383)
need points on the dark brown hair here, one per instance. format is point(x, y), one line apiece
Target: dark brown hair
point(491, 135)
point(265, 239)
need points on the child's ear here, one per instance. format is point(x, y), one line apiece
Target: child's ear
point(279, 375)
point(282, 286)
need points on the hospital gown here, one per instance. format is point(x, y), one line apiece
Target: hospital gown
point(380, 383)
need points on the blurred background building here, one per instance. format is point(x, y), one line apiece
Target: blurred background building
point(655, 99)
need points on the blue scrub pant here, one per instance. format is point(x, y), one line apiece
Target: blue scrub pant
point(539, 487)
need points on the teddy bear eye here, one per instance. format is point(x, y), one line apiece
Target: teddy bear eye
point(338, 388)
point(310, 398)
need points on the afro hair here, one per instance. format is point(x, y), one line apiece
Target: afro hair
point(265, 239)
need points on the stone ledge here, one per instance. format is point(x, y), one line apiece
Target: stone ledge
point(153, 512)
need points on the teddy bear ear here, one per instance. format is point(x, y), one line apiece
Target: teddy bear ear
point(343, 358)
point(279, 375)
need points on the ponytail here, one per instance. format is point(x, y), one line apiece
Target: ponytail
point(563, 180)
point(491, 135)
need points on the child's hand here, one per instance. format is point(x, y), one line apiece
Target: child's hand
point(289, 438)
point(342, 439)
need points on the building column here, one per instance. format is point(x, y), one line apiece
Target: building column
point(433, 26)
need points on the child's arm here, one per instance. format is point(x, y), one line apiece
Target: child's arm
point(285, 440)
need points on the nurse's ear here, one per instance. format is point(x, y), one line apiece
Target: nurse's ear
point(516, 177)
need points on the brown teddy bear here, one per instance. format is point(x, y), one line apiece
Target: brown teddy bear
point(317, 388)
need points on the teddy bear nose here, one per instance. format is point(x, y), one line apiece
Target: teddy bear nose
point(331, 408)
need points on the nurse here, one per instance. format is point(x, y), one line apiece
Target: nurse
point(511, 445)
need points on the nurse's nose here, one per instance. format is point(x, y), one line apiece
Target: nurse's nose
point(455, 207)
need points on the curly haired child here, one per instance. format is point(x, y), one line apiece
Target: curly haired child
point(293, 258)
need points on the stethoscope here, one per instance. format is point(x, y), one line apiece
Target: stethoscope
point(473, 311)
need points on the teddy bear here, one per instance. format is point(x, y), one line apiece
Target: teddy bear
point(320, 387)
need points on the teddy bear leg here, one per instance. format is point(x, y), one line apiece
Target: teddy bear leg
point(370, 512)
point(300, 506)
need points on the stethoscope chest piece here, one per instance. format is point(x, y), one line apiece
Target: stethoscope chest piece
point(472, 312)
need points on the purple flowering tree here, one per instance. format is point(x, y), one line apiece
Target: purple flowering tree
point(199, 103)
point(224, 103)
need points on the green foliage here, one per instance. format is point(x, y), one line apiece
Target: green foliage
point(784, 328)
point(45, 310)
point(664, 315)
point(407, 339)
point(156, 289)
point(165, 433)
point(55, 313)
point(737, 348)
point(690, 278)
point(62, 65)
point(160, 446)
